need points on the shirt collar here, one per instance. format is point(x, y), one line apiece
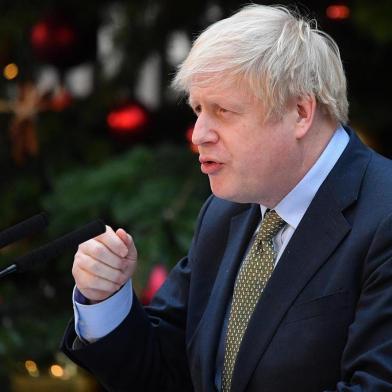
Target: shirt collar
point(294, 205)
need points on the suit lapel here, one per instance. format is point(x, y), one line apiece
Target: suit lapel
point(320, 231)
point(241, 229)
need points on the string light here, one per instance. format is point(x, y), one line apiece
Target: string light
point(11, 71)
point(32, 368)
point(56, 371)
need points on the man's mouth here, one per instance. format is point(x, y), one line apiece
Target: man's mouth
point(209, 166)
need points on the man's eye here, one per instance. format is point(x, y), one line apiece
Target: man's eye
point(197, 110)
point(222, 110)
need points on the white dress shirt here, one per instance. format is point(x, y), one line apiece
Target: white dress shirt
point(92, 322)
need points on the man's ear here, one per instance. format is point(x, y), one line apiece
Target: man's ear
point(305, 110)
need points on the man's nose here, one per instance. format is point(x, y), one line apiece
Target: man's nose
point(204, 131)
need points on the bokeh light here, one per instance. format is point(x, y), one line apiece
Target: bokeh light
point(56, 371)
point(11, 71)
point(32, 368)
point(338, 12)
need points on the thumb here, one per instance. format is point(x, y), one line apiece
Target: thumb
point(132, 252)
point(122, 234)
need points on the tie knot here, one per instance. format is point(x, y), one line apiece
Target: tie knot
point(270, 226)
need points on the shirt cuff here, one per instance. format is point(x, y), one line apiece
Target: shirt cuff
point(92, 321)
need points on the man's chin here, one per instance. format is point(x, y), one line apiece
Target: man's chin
point(229, 196)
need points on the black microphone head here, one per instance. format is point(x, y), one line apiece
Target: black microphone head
point(23, 229)
point(57, 247)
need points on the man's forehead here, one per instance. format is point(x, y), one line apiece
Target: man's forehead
point(220, 92)
point(212, 82)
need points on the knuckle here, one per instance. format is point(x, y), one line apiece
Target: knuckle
point(75, 276)
point(84, 246)
point(77, 256)
point(96, 268)
point(80, 248)
point(96, 249)
point(79, 262)
point(74, 270)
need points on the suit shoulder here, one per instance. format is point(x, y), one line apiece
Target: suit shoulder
point(379, 173)
point(376, 187)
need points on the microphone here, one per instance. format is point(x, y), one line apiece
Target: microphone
point(55, 248)
point(23, 229)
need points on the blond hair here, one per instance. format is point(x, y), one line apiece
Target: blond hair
point(278, 55)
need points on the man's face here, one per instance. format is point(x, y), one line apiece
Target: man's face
point(246, 158)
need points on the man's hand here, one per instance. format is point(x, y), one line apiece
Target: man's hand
point(103, 264)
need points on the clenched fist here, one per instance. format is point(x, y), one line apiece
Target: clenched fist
point(103, 264)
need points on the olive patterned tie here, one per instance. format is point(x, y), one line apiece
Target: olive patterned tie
point(251, 280)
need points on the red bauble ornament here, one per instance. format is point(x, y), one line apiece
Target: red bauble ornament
point(61, 100)
point(157, 277)
point(338, 12)
point(54, 39)
point(130, 118)
point(57, 39)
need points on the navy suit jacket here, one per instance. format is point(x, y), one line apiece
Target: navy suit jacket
point(323, 323)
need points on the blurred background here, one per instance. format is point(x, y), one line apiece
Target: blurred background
point(90, 128)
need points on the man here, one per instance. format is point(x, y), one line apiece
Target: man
point(287, 284)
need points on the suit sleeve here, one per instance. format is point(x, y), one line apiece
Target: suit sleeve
point(146, 352)
point(367, 358)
